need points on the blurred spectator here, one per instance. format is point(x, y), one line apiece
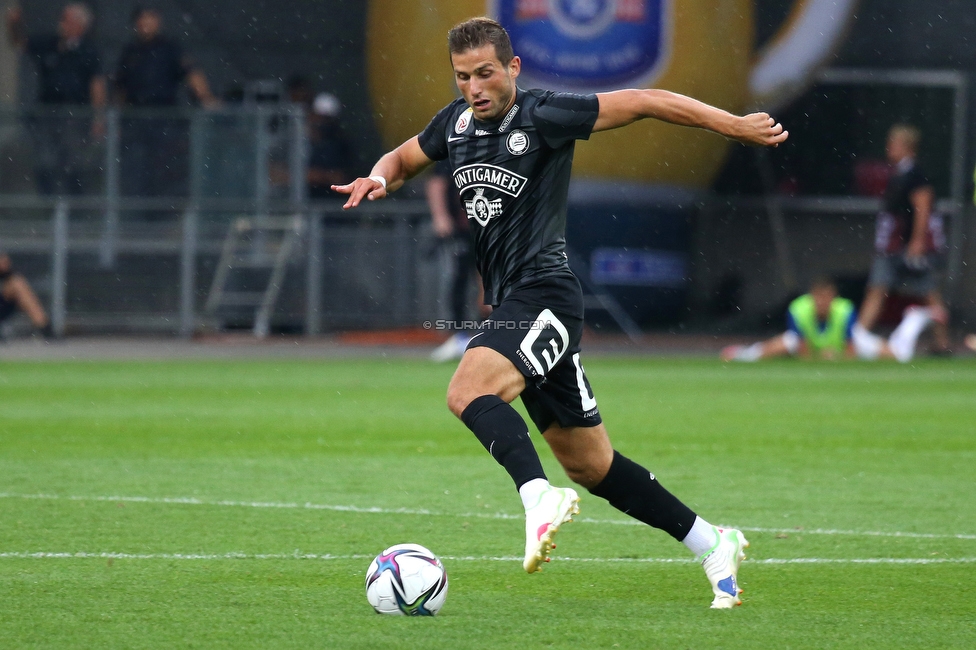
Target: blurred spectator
point(152, 67)
point(329, 153)
point(450, 222)
point(16, 293)
point(300, 91)
point(150, 73)
point(905, 240)
point(69, 74)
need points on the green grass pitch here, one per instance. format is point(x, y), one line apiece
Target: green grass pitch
point(220, 504)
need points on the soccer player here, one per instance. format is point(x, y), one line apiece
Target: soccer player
point(511, 150)
point(822, 324)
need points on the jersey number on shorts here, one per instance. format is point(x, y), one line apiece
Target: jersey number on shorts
point(548, 338)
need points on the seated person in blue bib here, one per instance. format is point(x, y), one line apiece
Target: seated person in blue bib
point(823, 325)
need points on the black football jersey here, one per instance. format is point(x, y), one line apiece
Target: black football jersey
point(513, 180)
point(897, 202)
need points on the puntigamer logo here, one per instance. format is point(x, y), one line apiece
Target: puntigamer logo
point(489, 176)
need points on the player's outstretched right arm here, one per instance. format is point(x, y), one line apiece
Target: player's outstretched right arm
point(388, 174)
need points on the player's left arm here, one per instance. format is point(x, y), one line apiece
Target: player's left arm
point(623, 107)
point(922, 199)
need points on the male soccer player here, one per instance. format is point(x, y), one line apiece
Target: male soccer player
point(511, 150)
point(822, 324)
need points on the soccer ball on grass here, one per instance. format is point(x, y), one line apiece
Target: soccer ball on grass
point(406, 579)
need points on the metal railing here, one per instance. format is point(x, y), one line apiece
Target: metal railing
point(119, 217)
point(352, 269)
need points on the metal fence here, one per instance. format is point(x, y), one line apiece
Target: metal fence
point(256, 152)
point(367, 268)
point(119, 219)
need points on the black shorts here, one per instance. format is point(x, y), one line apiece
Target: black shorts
point(538, 328)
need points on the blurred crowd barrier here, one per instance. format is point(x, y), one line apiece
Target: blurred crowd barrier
point(122, 220)
point(254, 152)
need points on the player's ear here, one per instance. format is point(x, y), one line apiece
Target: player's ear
point(515, 67)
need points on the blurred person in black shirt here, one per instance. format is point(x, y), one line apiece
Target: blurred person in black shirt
point(329, 153)
point(152, 67)
point(907, 237)
point(150, 73)
point(449, 220)
point(69, 74)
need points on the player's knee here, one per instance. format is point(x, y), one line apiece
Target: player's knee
point(587, 476)
point(583, 471)
point(458, 398)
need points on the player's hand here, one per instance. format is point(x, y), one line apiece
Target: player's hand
point(359, 188)
point(761, 129)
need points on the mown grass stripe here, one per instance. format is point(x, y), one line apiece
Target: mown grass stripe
point(466, 515)
point(464, 558)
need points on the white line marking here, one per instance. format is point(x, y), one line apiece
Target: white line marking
point(479, 515)
point(465, 558)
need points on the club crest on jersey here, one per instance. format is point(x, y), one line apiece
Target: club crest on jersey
point(588, 44)
point(481, 209)
point(517, 142)
point(488, 176)
point(463, 120)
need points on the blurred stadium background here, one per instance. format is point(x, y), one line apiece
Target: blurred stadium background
point(161, 493)
point(669, 229)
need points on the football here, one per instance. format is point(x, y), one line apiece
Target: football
point(406, 579)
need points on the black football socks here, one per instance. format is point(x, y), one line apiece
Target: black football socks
point(502, 431)
point(634, 491)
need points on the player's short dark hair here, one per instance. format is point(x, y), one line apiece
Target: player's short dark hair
point(478, 32)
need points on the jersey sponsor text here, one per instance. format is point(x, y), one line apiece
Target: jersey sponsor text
point(489, 176)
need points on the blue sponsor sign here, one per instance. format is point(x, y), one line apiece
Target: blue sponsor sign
point(646, 268)
point(588, 44)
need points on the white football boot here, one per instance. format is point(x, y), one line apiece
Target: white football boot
point(721, 565)
point(555, 507)
point(452, 348)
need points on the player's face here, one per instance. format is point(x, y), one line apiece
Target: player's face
point(486, 84)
